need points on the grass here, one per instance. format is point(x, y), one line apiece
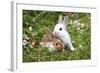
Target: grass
point(79, 28)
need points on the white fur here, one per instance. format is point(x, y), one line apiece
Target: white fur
point(49, 45)
point(63, 34)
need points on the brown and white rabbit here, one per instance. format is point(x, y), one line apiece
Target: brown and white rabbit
point(52, 42)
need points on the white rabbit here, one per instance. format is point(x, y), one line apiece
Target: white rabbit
point(60, 32)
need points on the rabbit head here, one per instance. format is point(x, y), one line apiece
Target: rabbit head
point(51, 42)
point(60, 27)
point(58, 44)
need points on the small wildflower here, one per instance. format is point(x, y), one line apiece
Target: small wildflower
point(25, 37)
point(73, 41)
point(81, 31)
point(80, 46)
point(76, 22)
point(30, 28)
point(24, 42)
point(82, 25)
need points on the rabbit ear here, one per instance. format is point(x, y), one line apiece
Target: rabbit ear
point(65, 20)
point(48, 31)
point(60, 19)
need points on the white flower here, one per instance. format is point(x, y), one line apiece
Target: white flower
point(25, 37)
point(82, 25)
point(76, 22)
point(25, 42)
point(73, 41)
point(80, 46)
point(30, 28)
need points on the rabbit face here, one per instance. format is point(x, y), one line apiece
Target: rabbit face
point(59, 45)
point(59, 30)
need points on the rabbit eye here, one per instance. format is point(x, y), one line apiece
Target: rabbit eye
point(56, 44)
point(60, 29)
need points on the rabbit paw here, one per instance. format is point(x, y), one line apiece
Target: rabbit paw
point(72, 48)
